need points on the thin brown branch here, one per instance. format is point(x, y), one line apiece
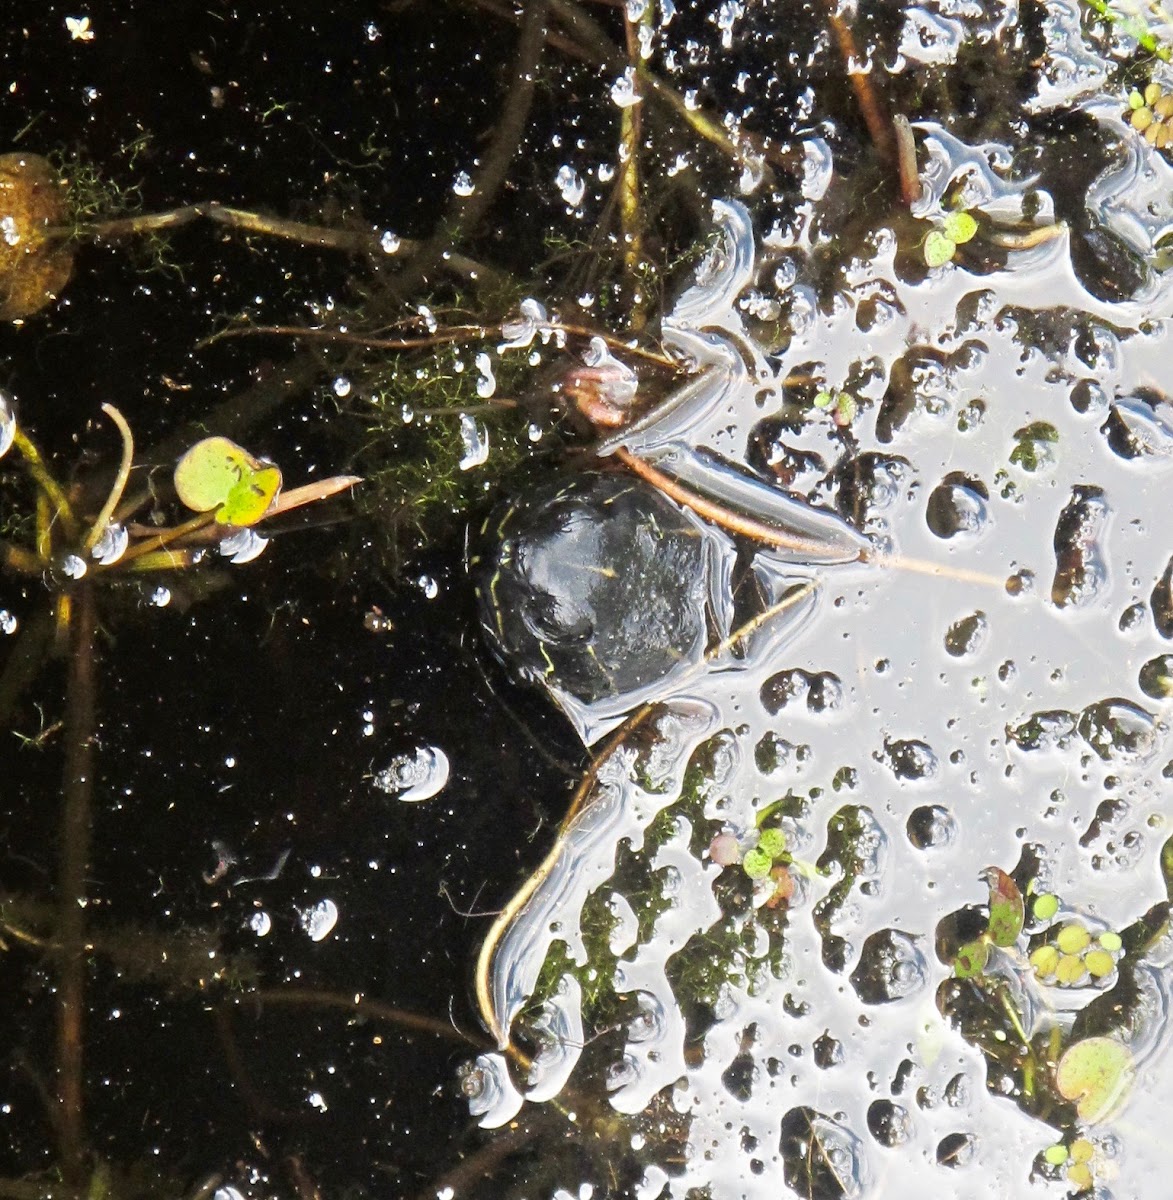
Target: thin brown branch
point(630, 201)
point(878, 123)
point(759, 531)
point(910, 188)
point(356, 1004)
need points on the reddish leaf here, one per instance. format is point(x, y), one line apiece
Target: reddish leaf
point(1007, 912)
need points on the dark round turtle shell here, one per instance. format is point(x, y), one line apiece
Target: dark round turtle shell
point(596, 586)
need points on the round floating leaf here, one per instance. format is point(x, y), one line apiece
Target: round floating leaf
point(939, 249)
point(1082, 1150)
point(1099, 963)
point(1044, 960)
point(1069, 970)
point(34, 267)
point(772, 842)
point(1080, 1176)
point(1095, 1074)
point(1056, 1155)
point(971, 959)
point(1046, 906)
point(1110, 940)
point(218, 475)
point(1006, 908)
point(960, 227)
point(757, 863)
point(1073, 938)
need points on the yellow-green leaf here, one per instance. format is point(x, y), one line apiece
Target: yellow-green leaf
point(216, 475)
point(959, 227)
point(1094, 1073)
point(939, 249)
point(971, 959)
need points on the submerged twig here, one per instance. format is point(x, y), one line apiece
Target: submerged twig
point(1025, 239)
point(356, 1004)
point(466, 212)
point(784, 539)
point(77, 789)
point(910, 187)
point(631, 219)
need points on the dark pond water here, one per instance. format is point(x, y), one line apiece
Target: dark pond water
point(866, 891)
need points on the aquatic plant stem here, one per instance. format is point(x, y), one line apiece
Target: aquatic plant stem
point(735, 522)
point(507, 915)
point(21, 561)
point(166, 536)
point(631, 219)
point(773, 535)
point(596, 47)
point(77, 790)
point(119, 485)
point(878, 124)
point(466, 211)
point(456, 334)
point(35, 465)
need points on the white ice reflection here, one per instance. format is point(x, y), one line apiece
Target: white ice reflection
point(318, 920)
point(621, 809)
point(474, 440)
point(570, 185)
point(7, 423)
point(111, 546)
point(490, 1092)
point(624, 92)
point(417, 776)
point(243, 545)
point(842, 720)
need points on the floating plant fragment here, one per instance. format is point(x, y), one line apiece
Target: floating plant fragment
point(216, 475)
point(941, 244)
point(971, 959)
point(1006, 907)
point(1094, 1074)
point(34, 266)
point(1034, 446)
